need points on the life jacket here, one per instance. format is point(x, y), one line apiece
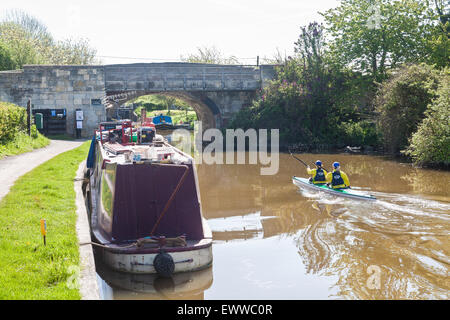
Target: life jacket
point(320, 176)
point(337, 179)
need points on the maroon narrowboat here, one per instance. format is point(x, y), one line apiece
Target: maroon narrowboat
point(144, 203)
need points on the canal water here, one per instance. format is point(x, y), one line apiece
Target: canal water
point(274, 241)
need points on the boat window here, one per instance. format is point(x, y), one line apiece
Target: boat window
point(107, 194)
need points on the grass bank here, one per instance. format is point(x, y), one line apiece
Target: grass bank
point(22, 143)
point(30, 270)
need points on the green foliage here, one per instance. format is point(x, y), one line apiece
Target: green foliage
point(373, 36)
point(363, 133)
point(13, 137)
point(23, 48)
point(158, 102)
point(6, 61)
point(401, 103)
point(431, 143)
point(71, 52)
point(309, 98)
point(29, 42)
point(439, 49)
point(13, 119)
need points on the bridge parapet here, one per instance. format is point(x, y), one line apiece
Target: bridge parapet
point(181, 76)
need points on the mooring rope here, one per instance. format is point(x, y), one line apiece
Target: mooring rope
point(170, 242)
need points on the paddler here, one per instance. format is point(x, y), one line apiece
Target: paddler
point(338, 179)
point(318, 175)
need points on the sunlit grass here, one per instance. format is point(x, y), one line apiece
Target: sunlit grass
point(22, 143)
point(30, 270)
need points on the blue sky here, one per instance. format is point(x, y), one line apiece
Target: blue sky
point(171, 28)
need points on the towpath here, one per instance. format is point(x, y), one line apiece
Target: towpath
point(11, 168)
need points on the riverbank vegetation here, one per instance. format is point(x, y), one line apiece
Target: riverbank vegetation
point(14, 138)
point(31, 270)
point(368, 77)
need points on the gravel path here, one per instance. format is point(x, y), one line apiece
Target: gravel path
point(11, 168)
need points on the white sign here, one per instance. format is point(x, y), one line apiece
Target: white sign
point(79, 115)
point(79, 124)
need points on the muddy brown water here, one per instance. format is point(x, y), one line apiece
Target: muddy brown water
point(273, 240)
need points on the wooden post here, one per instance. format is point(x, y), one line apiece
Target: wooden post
point(29, 117)
point(44, 230)
point(143, 115)
point(257, 61)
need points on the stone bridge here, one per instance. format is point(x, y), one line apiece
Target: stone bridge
point(216, 92)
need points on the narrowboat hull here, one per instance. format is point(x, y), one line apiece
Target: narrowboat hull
point(146, 208)
point(143, 263)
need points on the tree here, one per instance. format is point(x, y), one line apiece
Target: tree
point(307, 100)
point(310, 45)
point(23, 49)
point(374, 36)
point(34, 27)
point(29, 42)
point(6, 61)
point(430, 145)
point(71, 51)
point(439, 41)
point(401, 103)
point(210, 55)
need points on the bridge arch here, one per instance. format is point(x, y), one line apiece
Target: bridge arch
point(206, 109)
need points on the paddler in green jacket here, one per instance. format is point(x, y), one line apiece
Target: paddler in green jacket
point(318, 175)
point(338, 179)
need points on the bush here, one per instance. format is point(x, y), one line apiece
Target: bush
point(401, 103)
point(363, 133)
point(430, 145)
point(13, 119)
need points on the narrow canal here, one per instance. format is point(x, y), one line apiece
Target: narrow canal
point(274, 241)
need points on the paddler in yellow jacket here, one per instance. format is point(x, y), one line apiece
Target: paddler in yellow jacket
point(338, 179)
point(318, 175)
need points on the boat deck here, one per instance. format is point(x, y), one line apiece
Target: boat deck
point(155, 152)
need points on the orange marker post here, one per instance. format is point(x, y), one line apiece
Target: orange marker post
point(44, 230)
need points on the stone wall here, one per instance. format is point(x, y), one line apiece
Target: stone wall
point(181, 77)
point(216, 92)
point(58, 87)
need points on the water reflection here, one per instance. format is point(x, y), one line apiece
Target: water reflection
point(181, 286)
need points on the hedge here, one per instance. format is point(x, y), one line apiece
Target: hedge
point(13, 119)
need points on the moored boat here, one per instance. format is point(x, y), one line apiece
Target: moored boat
point(163, 122)
point(346, 193)
point(144, 203)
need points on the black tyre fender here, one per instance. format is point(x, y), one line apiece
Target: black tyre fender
point(164, 264)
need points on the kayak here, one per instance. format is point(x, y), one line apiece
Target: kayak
point(347, 193)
